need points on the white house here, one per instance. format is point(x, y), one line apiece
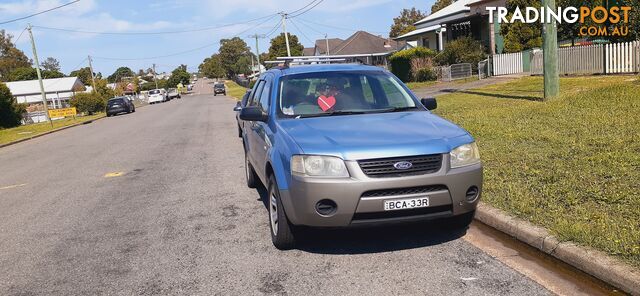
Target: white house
point(58, 92)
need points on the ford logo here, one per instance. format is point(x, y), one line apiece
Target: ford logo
point(402, 165)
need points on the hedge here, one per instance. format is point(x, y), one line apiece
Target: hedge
point(401, 61)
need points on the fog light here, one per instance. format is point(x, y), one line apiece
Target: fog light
point(472, 194)
point(326, 207)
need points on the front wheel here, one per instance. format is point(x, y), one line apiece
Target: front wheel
point(282, 234)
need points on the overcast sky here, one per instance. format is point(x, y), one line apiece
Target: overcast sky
point(339, 17)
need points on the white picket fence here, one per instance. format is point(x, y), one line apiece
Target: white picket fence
point(592, 59)
point(507, 63)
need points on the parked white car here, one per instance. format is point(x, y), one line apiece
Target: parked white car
point(157, 96)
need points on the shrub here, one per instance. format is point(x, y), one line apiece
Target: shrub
point(425, 74)
point(461, 50)
point(10, 111)
point(401, 61)
point(88, 103)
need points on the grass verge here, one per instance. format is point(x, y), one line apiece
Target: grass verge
point(416, 85)
point(27, 131)
point(571, 164)
point(235, 90)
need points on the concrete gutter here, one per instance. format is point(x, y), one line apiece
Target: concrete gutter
point(49, 132)
point(590, 261)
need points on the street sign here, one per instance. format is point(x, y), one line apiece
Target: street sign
point(64, 112)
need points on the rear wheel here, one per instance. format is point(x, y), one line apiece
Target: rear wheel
point(282, 234)
point(250, 173)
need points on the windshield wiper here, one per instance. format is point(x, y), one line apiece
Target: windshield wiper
point(397, 109)
point(332, 113)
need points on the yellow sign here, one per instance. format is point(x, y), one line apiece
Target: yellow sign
point(64, 112)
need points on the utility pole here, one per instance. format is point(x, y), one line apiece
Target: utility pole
point(256, 36)
point(550, 53)
point(93, 78)
point(155, 77)
point(35, 58)
point(326, 38)
point(284, 29)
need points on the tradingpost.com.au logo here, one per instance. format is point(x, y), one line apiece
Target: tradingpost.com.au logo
point(594, 20)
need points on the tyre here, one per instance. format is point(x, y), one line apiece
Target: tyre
point(250, 173)
point(282, 234)
point(214, 94)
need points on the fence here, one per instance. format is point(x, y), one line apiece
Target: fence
point(590, 59)
point(507, 63)
point(454, 72)
point(484, 70)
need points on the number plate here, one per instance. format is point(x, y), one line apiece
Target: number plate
point(409, 203)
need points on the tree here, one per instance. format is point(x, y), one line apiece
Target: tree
point(212, 67)
point(179, 75)
point(520, 36)
point(10, 57)
point(103, 90)
point(440, 4)
point(231, 51)
point(51, 64)
point(278, 47)
point(29, 73)
point(120, 73)
point(84, 74)
point(461, 50)
point(88, 102)
point(10, 110)
point(404, 23)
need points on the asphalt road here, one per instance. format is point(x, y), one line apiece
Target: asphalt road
point(155, 203)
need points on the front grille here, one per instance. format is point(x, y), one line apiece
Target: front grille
point(383, 167)
point(438, 211)
point(404, 191)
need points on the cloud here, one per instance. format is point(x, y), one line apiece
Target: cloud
point(225, 8)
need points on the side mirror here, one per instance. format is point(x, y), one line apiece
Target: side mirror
point(238, 107)
point(253, 113)
point(429, 103)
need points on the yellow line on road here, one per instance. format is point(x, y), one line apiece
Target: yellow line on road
point(13, 186)
point(114, 174)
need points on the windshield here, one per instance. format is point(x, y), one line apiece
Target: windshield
point(334, 93)
point(154, 92)
point(219, 86)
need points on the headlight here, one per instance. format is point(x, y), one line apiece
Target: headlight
point(464, 155)
point(318, 166)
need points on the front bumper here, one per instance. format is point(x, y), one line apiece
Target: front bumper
point(446, 188)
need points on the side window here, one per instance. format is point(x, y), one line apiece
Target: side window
point(265, 95)
point(255, 95)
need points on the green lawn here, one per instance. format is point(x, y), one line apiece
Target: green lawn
point(234, 90)
point(416, 85)
point(26, 131)
point(571, 164)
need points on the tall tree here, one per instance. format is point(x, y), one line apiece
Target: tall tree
point(84, 74)
point(231, 53)
point(278, 47)
point(212, 67)
point(179, 75)
point(440, 4)
point(404, 22)
point(120, 73)
point(520, 36)
point(10, 57)
point(29, 73)
point(51, 64)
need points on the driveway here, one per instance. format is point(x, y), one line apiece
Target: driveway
point(454, 86)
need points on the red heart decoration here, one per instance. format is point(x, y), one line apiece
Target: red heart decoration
point(326, 103)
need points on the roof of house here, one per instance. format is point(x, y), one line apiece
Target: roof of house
point(53, 85)
point(321, 45)
point(365, 43)
point(421, 31)
point(453, 11)
point(308, 51)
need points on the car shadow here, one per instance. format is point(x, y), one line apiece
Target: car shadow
point(371, 239)
point(501, 96)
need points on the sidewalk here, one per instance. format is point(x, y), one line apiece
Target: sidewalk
point(452, 86)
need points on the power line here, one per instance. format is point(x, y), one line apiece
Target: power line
point(181, 52)
point(18, 39)
point(156, 33)
point(38, 13)
point(303, 34)
point(338, 28)
point(308, 9)
point(291, 12)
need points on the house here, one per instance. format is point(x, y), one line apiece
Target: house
point(461, 18)
point(360, 47)
point(58, 92)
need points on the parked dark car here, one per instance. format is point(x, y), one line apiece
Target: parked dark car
point(219, 88)
point(238, 108)
point(120, 105)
